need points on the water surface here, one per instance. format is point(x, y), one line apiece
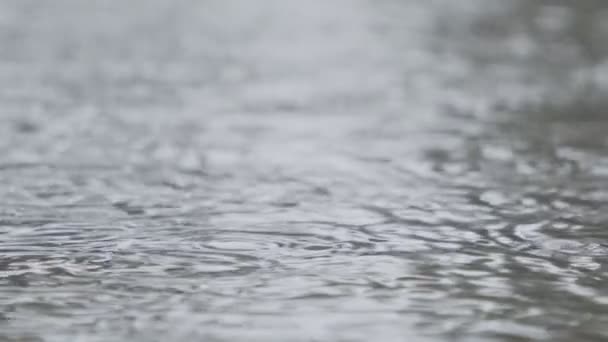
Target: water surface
point(347, 170)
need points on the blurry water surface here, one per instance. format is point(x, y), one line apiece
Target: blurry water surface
point(281, 170)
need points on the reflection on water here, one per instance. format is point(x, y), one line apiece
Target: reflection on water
point(303, 171)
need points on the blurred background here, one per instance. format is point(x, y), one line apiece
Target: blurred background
point(285, 170)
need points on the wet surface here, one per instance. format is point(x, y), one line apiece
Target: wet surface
point(303, 170)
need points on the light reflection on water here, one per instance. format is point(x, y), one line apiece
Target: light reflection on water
point(303, 171)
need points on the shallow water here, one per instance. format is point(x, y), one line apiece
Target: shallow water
point(314, 170)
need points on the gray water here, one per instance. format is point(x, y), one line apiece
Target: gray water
point(281, 170)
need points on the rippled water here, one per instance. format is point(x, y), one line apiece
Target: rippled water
point(279, 170)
